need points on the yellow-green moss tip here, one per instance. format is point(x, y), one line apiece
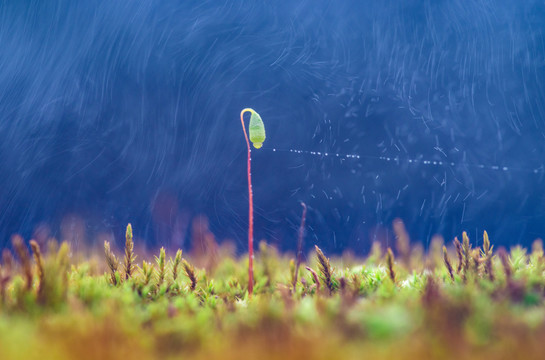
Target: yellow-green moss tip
point(128, 233)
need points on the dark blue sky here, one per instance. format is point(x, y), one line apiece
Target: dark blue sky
point(116, 111)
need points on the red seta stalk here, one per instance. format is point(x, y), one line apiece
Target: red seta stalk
point(300, 244)
point(251, 211)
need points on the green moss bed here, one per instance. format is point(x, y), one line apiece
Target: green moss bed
point(453, 302)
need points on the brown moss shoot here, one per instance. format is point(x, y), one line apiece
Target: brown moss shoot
point(38, 258)
point(390, 264)
point(112, 262)
point(466, 247)
point(314, 277)
point(504, 258)
point(130, 258)
point(448, 265)
point(24, 256)
point(190, 273)
point(325, 269)
point(459, 253)
point(403, 245)
point(487, 257)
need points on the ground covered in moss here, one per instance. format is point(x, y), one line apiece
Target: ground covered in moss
point(454, 302)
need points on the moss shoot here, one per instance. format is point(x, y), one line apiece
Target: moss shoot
point(453, 302)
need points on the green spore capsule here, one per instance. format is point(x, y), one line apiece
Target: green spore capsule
point(257, 130)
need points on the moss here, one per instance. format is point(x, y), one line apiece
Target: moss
point(422, 308)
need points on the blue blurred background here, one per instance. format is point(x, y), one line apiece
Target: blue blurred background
point(128, 111)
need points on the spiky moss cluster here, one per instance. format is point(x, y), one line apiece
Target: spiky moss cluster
point(480, 305)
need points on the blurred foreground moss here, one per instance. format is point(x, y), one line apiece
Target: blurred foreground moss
point(449, 303)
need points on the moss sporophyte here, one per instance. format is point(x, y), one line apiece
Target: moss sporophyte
point(257, 137)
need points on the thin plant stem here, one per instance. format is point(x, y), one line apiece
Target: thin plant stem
point(251, 210)
point(301, 235)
